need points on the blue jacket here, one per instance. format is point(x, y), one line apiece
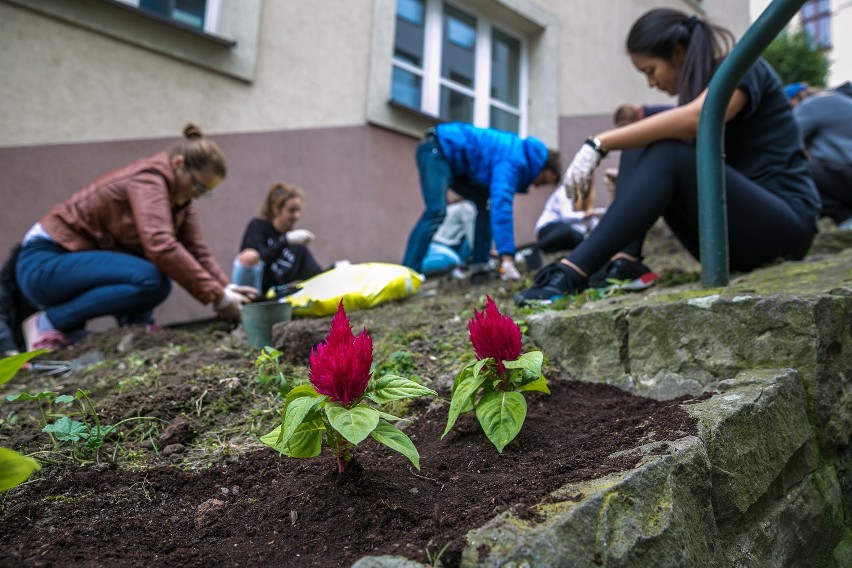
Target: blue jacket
point(501, 163)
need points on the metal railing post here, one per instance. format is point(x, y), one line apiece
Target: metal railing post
point(712, 218)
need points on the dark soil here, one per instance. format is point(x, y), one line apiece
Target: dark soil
point(190, 485)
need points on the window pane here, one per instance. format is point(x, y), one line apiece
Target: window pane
point(406, 88)
point(456, 106)
point(410, 10)
point(189, 12)
point(408, 41)
point(505, 68)
point(502, 120)
point(459, 46)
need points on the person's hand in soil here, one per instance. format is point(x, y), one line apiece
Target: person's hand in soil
point(228, 306)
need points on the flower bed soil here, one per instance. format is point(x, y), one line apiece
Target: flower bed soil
point(276, 511)
point(190, 485)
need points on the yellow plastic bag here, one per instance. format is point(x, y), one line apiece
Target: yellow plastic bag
point(360, 286)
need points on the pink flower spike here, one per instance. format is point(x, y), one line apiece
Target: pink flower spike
point(494, 335)
point(340, 365)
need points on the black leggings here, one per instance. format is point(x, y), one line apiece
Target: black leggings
point(660, 180)
point(834, 182)
point(558, 235)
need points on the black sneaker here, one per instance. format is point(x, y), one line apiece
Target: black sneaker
point(552, 282)
point(628, 275)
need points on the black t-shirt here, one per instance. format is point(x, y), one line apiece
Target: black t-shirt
point(283, 262)
point(764, 144)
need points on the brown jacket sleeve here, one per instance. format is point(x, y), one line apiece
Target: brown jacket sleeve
point(152, 215)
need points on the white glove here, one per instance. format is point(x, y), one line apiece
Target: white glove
point(228, 306)
point(578, 177)
point(299, 236)
point(249, 291)
point(508, 271)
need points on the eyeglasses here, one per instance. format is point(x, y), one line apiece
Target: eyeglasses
point(198, 190)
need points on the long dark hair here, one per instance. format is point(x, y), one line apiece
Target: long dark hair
point(658, 32)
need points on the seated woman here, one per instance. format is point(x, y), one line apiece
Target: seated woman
point(564, 223)
point(273, 252)
point(772, 203)
point(113, 247)
point(450, 247)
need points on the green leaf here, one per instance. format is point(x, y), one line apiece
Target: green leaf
point(477, 367)
point(539, 384)
point(501, 415)
point(389, 417)
point(9, 366)
point(306, 441)
point(392, 387)
point(394, 438)
point(67, 430)
point(295, 413)
point(28, 396)
point(467, 371)
point(354, 424)
point(462, 400)
point(15, 468)
point(530, 363)
point(299, 391)
point(65, 398)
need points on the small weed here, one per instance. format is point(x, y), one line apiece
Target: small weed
point(271, 377)
point(435, 561)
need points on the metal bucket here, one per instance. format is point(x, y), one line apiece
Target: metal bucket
point(259, 317)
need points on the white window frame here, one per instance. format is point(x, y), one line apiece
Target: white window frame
point(540, 26)
point(211, 14)
point(430, 74)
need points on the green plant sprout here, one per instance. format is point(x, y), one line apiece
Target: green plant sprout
point(90, 432)
point(493, 383)
point(270, 377)
point(15, 468)
point(334, 405)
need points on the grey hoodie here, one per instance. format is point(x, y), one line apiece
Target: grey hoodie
point(826, 123)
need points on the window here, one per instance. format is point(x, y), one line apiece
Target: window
point(199, 14)
point(454, 64)
point(816, 21)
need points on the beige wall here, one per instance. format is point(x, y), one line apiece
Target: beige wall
point(63, 83)
point(77, 103)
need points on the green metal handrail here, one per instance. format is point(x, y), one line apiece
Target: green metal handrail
point(712, 218)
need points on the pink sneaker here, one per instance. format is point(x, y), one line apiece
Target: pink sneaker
point(43, 339)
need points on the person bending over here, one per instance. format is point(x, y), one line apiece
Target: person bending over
point(826, 123)
point(488, 167)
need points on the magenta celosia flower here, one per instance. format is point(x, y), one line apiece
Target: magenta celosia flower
point(340, 365)
point(494, 335)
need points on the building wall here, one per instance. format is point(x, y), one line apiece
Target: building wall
point(78, 103)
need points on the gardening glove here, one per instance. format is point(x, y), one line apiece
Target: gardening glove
point(299, 236)
point(508, 271)
point(249, 291)
point(228, 306)
point(578, 177)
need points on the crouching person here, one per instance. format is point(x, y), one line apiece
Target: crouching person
point(113, 248)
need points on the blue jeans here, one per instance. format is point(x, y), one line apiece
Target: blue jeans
point(74, 287)
point(435, 179)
